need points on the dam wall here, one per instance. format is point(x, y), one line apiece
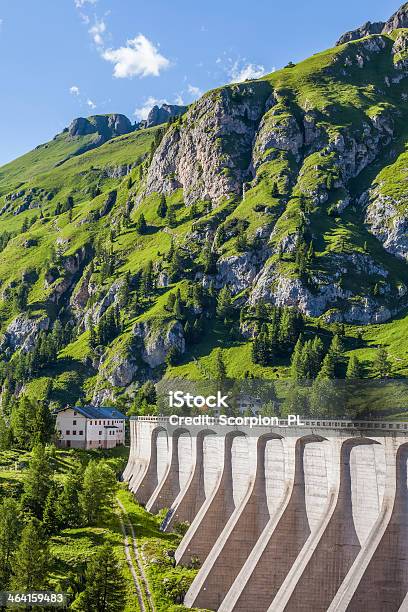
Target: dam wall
point(307, 517)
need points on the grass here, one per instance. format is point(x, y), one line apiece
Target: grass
point(72, 548)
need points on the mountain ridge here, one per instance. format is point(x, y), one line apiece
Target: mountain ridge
point(398, 20)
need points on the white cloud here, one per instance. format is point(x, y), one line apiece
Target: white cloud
point(138, 58)
point(142, 112)
point(74, 90)
point(85, 19)
point(179, 99)
point(90, 103)
point(241, 72)
point(97, 31)
point(195, 91)
point(81, 3)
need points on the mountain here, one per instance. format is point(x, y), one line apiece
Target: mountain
point(83, 134)
point(162, 114)
point(269, 207)
point(398, 20)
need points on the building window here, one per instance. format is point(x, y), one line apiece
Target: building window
point(67, 432)
point(81, 433)
point(75, 413)
point(74, 422)
point(74, 432)
point(90, 422)
point(100, 433)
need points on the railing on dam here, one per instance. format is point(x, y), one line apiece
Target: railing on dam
point(307, 423)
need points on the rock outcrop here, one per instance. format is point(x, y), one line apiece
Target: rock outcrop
point(162, 114)
point(365, 30)
point(106, 126)
point(398, 20)
point(209, 156)
point(155, 341)
point(22, 333)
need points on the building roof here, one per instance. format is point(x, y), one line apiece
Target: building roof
point(92, 412)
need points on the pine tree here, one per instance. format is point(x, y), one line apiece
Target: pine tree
point(198, 329)
point(93, 339)
point(220, 369)
point(210, 259)
point(67, 509)
point(301, 257)
point(141, 225)
point(290, 326)
point(176, 265)
point(124, 291)
point(326, 398)
point(43, 424)
point(242, 243)
point(317, 350)
point(382, 364)
point(50, 518)
point(295, 401)
point(275, 190)
point(336, 347)
point(99, 485)
point(6, 437)
point(296, 367)
point(170, 302)
point(162, 208)
point(31, 562)
point(105, 589)
point(170, 252)
point(148, 280)
point(10, 528)
point(193, 210)
point(178, 309)
point(310, 253)
point(37, 481)
point(171, 217)
point(328, 369)
point(336, 352)
point(260, 347)
point(173, 356)
point(354, 368)
point(31, 423)
point(224, 303)
point(189, 331)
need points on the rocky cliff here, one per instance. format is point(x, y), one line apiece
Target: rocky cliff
point(398, 20)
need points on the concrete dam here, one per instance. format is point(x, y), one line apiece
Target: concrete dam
point(309, 518)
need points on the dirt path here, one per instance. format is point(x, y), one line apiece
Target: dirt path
point(142, 582)
point(133, 571)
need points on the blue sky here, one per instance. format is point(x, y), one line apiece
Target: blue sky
point(61, 59)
